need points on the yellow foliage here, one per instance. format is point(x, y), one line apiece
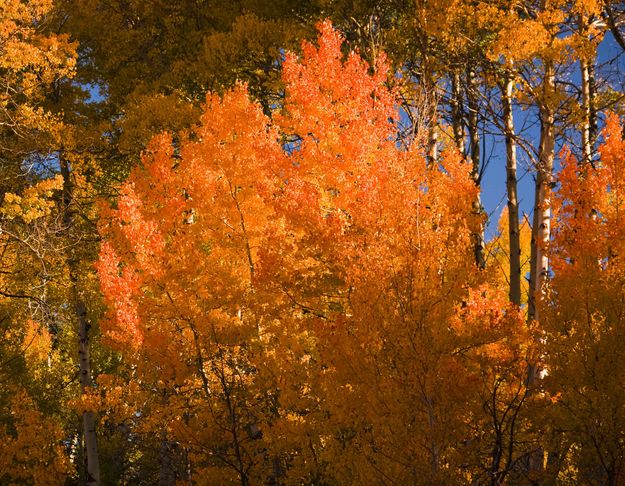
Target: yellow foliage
point(497, 254)
point(37, 344)
point(30, 449)
point(30, 62)
point(34, 203)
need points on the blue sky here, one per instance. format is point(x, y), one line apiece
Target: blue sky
point(610, 64)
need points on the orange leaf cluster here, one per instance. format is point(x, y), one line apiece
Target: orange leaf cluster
point(294, 284)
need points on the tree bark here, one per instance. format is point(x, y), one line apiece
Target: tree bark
point(541, 227)
point(456, 112)
point(511, 188)
point(432, 148)
point(610, 18)
point(429, 100)
point(88, 418)
point(80, 309)
point(586, 142)
point(474, 137)
point(589, 119)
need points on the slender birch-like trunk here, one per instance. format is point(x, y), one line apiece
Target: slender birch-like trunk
point(456, 112)
point(511, 187)
point(88, 418)
point(541, 224)
point(541, 228)
point(586, 141)
point(474, 137)
point(432, 147)
point(589, 118)
point(429, 98)
point(80, 309)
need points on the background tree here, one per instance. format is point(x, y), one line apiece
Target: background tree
point(582, 322)
point(311, 274)
point(35, 365)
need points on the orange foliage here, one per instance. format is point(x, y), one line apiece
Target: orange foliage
point(583, 313)
point(294, 285)
point(31, 451)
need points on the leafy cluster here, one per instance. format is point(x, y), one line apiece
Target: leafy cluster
point(231, 255)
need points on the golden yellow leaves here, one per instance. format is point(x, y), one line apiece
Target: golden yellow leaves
point(147, 114)
point(37, 343)
point(31, 450)
point(24, 46)
point(519, 42)
point(497, 254)
point(582, 309)
point(296, 300)
point(30, 62)
point(34, 203)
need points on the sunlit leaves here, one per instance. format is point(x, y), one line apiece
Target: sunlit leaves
point(256, 267)
point(583, 312)
point(32, 451)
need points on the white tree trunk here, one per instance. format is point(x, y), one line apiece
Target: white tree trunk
point(84, 361)
point(541, 229)
point(511, 187)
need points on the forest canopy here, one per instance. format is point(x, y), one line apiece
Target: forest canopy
point(313, 243)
